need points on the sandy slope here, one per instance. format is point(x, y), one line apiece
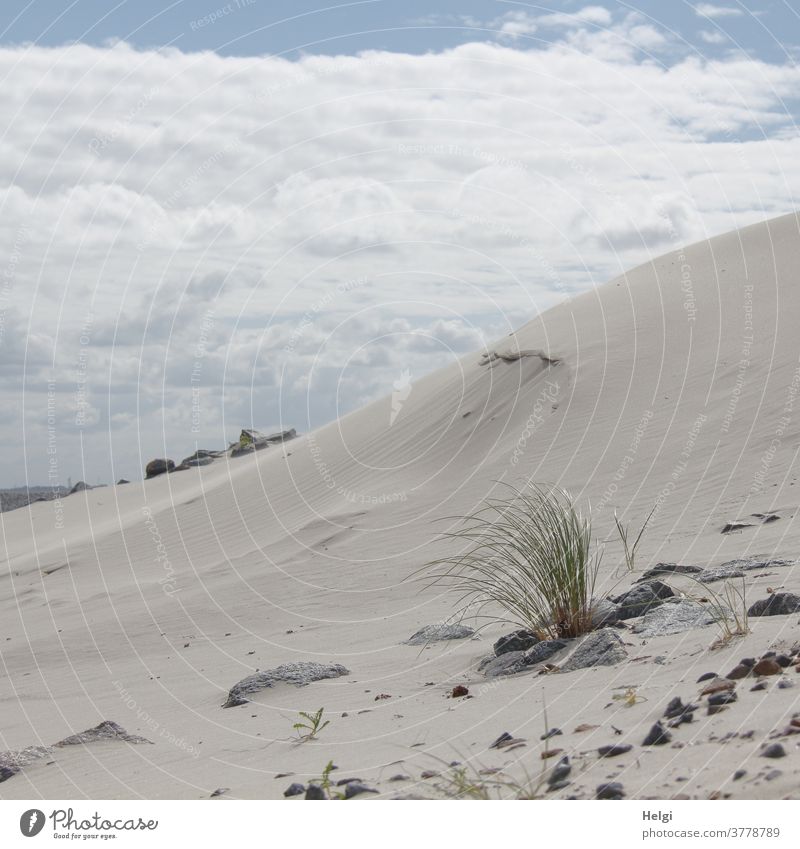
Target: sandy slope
point(674, 385)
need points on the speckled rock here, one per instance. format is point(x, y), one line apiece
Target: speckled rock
point(520, 640)
point(777, 604)
point(439, 632)
point(600, 648)
point(673, 618)
point(298, 673)
point(641, 598)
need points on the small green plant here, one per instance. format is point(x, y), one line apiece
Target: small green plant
point(729, 609)
point(629, 550)
point(529, 559)
point(312, 724)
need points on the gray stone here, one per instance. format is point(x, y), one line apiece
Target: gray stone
point(558, 777)
point(600, 648)
point(198, 461)
point(736, 568)
point(719, 573)
point(507, 664)
point(12, 761)
point(6, 773)
point(774, 750)
point(641, 598)
point(439, 632)
point(515, 641)
point(298, 673)
point(614, 750)
point(355, 788)
point(294, 789)
point(603, 612)
point(544, 651)
point(612, 790)
point(669, 569)
point(315, 793)
point(673, 618)
point(158, 467)
point(106, 730)
point(778, 604)
point(657, 736)
point(15, 760)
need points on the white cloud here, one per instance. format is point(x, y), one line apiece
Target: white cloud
point(326, 222)
point(709, 10)
point(713, 36)
point(515, 24)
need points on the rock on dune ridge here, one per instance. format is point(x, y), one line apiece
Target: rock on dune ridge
point(674, 386)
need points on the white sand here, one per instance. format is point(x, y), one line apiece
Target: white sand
point(294, 565)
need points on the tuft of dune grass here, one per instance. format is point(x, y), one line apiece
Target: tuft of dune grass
point(527, 558)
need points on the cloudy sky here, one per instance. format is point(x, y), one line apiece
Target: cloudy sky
point(251, 213)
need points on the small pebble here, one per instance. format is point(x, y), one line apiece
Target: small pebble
point(315, 792)
point(459, 691)
point(558, 777)
point(773, 774)
point(614, 749)
point(740, 773)
point(722, 699)
point(707, 676)
point(219, 791)
point(767, 666)
point(657, 736)
point(612, 790)
point(785, 684)
point(553, 732)
point(761, 685)
point(354, 788)
point(295, 789)
point(774, 750)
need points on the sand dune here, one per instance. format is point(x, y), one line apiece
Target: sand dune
point(674, 387)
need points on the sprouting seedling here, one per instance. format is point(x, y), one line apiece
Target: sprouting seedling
point(629, 550)
point(312, 725)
